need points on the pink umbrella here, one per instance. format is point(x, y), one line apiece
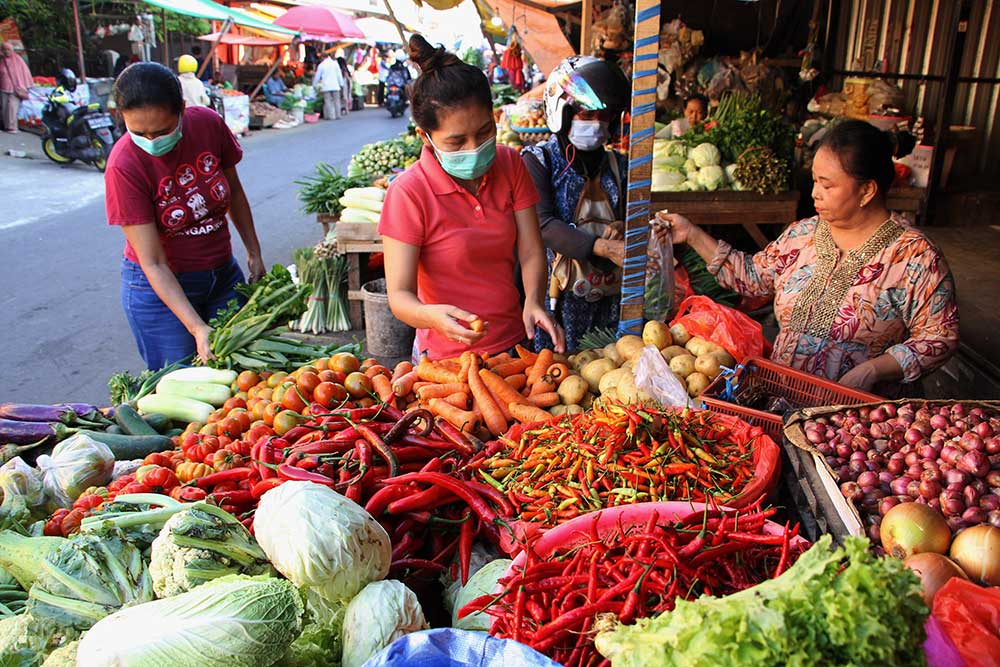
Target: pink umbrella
point(320, 23)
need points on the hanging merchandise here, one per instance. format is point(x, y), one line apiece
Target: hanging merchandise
point(513, 62)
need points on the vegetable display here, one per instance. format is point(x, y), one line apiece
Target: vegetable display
point(380, 614)
point(813, 614)
point(321, 193)
point(383, 157)
point(326, 273)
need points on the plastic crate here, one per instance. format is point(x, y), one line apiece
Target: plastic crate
point(800, 389)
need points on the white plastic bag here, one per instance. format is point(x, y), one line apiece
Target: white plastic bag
point(76, 463)
point(653, 376)
point(659, 298)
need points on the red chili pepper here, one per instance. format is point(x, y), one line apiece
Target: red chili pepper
point(454, 436)
point(291, 473)
point(265, 485)
point(416, 564)
point(233, 475)
point(456, 486)
point(237, 497)
point(406, 547)
point(323, 447)
point(380, 500)
point(407, 421)
point(466, 534)
point(380, 446)
point(423, 500)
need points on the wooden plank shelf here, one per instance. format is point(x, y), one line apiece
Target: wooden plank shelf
point(730, 207)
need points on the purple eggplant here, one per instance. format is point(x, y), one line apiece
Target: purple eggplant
point(66, 413)
point(23, 432)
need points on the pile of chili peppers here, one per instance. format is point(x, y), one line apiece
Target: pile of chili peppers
point(552, 603)
point(615, 455)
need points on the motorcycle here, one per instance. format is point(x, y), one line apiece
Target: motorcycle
point(395, 100)
point(86, 133)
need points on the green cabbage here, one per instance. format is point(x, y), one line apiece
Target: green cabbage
point(667, 181)
point(844, 607)
point(483, 582)
point(705, 155)
point(321, 643)
point(321, 540)
point(235, 621)
point(711, 177)
point(381, 613)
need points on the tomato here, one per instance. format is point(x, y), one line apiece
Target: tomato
point(71, 522)
point(233, 403)
point(241, 447)
point(343, 362)
point(188, 494)
point(378, 369)
point(208, 429)
point(265, 393)
point(244, 417)
point(358, 385)
point(333, 376)
point(158, 478)
point(191, 428)
point(307, 383)
point(88, 502)
point(368, 363)
point(285, 421)
point(264, 375)
point(270, 412)
point(293, 400)
point(276, 379)
point(247, 380)
point(53, 527)
point(216, 416)
point(321, 364)
point(257, 412)
point(329, 394)
point(136, 487)
point(225, 459)
point(258, 431)
point(230, 427)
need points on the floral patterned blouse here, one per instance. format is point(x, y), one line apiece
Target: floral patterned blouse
point(893, 294)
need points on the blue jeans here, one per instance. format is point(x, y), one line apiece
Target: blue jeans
point(160, 336)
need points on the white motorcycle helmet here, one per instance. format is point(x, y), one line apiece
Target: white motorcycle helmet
point(584, 83)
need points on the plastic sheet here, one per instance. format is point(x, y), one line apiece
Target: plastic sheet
point(446, 647)
point(741, 336)
point(970, 616)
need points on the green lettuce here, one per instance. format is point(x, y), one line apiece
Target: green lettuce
point(843, 607)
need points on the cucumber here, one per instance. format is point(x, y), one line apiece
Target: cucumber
point(213, 394)
point(202, 374)
point(130, 421)
point(115, 429)
point(129, 447)
point(174, 432)
point(160, 422)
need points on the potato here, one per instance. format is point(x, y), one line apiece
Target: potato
point(581, 359)
point(698, 346)
point(673, 351)
point(656, 334)
point(629, 365)
point(629, 347)
point(611, 352)
point(697, 383)
point(587, 401)
point(574, 409)
point(643, 397)
point(595, 370)
point(725, 359)
point(557, 410)
point(626, 389)
point(707, 365)
point(611, 395)
point(683, 365)
point(611, 379)
point(680, 334)
point(572, 390)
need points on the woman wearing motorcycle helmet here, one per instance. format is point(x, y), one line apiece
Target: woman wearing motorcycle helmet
point(582, 189)
point(170, 184)
point(455, 223)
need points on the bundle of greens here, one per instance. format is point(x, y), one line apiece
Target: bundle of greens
point(703, 282)
point(125, 387)
point(760, 170)
point(321, 193)
point(504, 93)
point(325, 272)
point(12, 596)
point(845, 607)
point(743, 122)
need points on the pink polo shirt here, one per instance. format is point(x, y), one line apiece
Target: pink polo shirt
point(468, 244)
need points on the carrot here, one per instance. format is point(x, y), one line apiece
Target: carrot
point(466, 358)
point(477, 325)
point(544, 400)
point(441, 390)
point(498, 386)
point(510, 367)
point(401, 369)
point(497, 359)
point(525, 354)
point(537, 370)
point(383, 387)
point(517, 381)
point(459, 399)
point(492, 415)
point(413, 405)
point(545, 384)
point(559, 372)
point(432, 372)
point(403, 385)
point(460, 419)
point(450, 365)
point(528, 413)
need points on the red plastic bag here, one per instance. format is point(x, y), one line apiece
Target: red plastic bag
point(741, 336)
point(970, 616)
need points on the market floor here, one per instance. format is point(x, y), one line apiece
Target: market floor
point(64, 329)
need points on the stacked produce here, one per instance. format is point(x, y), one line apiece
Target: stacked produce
point(362, 205)
point(22, 424)
point(321, 193)
point(384, 157)
point(551, 601)
point(325, 272)
point(678, 168)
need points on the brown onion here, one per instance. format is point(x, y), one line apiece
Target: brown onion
point(934, 571)
point(977, 551)
point(913, 528)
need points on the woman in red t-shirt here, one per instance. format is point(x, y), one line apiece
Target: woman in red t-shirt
point(456, 224)
point(169, 184)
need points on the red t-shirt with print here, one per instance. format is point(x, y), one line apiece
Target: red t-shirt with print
point(183, 192)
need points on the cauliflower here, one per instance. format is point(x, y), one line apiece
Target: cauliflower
point(667, 181)
point(199, 544)
point(711, 177)
point(731, 176)
point(64, 656)
point(690, 168)
point(705, 155)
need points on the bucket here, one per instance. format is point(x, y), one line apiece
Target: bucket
point(386, 336)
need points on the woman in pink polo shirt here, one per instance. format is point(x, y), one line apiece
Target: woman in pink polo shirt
point(456, 224)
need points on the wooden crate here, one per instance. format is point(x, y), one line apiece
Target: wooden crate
point(729, 207)
point(355, 252)
point(354, 232)
point(325, 219)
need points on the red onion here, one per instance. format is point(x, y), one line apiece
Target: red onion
point(899, 485)
point(896, 464)
point(913, 489)
point(915, 470)
point(931, 475)
point(851, 490)
point(971, 495)
point(990, 502)
point(868, 479)
point(983, 430)
point(974, 463)
point(974, 515)
point(958, 410)
point(885, 477)
point(905, 412)
point(929, 452)
point(887, 504)
point(878, 415)
point(993, 445)
point(953, 432)
point(875, 534)
point(971, 442)
point(956, 476)
point(890, 410)
point(951, 503)
point(993, 478)
point(844, 450)
point(950, 454)
point(923, 414)
point(913, 436)
point(993, 518)
point(935, 503)
point(929, 488)
point(814, 436)
point(956, 524)
point(913, 458)
point(939, 422)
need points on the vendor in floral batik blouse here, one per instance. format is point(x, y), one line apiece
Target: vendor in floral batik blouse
point(860, 297)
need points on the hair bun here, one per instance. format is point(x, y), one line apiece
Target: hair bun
point(429, 58)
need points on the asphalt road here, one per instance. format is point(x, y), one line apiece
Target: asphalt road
point(63, 328)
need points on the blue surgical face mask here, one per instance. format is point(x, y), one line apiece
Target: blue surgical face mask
point(588, 135)
point(467, 165)
point(160, 145)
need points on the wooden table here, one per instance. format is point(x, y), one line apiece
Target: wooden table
point(355, 239)
point(729, 207)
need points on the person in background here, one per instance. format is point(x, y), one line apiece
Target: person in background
point(695, 113)
point(860, 297)
point(169, 184)
point(345, 98)
point(206, 76)
point(15, 80)
point(109, 58)
point(192, 88)
point(383, 71)
point(456, 223)
point(329, 81)
point(582, 187)
point(275, 88)
point(124, 62)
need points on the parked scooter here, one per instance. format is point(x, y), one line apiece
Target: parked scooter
point(84, 133)
point(395, 100)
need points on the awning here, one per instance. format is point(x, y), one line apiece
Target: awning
point(320, 23)
point(539, 32)
point(206, 9)
point(379, 30)
point(245, 40)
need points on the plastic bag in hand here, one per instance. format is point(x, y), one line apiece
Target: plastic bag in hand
point(659, 300)
point(653, 376)
point(76, 463)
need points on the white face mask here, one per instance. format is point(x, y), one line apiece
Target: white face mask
point(588, 135)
